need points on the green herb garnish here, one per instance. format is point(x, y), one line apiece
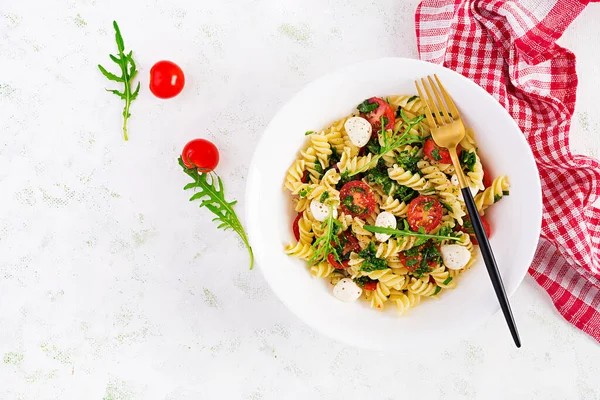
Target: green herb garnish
point(371, 263)
point(326, 244)
point(212, 194)
point(318, 167)
point(468, 160)
point(363, 280)
point(334, 157)
point(373, 146)
point(382, 178)
point(408, 159)
point(324, 196)
point(435, 154)
point(411, 98)
point(366, 107)
point(447, 281)
point(446, 206)
point(429, 255)
point(308, 133)
point(344, 178)
point(128, 73)
point(437, 290)
point(427, 206)
point(406, 232)
point(497, 197)
point(405, 194)
point(505, 193)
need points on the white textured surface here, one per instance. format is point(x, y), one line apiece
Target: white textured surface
point(112, 286)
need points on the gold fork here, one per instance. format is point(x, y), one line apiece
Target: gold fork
point(447, 130)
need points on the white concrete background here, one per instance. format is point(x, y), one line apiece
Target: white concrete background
point(114, 287)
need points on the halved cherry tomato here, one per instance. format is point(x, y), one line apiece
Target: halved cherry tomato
point(370, 285)
point(424, 212)
point(383, 110)
point(468, 228)
point(166, 79)
point(357, 199)
point(304, 177)
point(335, 263)
point(350, 243)
point(296, 227)
point(437, 153)
point(487, 178)
point(201, 154)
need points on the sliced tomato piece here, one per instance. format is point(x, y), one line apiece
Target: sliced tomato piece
point(374, 117)
point(295, 226)
point(357, 199)
point(304, 177)
point(487, 178)
point(468, 228)
point(437, 153)
point(335, 263)
point(370, 285)
point(410, 259)
point(424, 212)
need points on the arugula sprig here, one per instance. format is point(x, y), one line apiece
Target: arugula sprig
point(395, 140)
point(421, 235)
point(212, 194)
point(128, 73)
point(329, 242)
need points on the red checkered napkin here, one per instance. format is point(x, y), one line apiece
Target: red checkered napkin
point(509, 49)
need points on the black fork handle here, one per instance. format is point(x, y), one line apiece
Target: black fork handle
point(490, 263)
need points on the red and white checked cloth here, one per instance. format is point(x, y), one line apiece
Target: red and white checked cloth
point(508, 48)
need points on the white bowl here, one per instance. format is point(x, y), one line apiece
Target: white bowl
point(515, 220)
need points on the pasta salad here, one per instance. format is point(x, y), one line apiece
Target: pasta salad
point(380, 212)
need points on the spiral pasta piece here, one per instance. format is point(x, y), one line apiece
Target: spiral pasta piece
point(442, 277)
point(404, 299)
point(322, 148)
point(475, 177)
point(294, 175)
point(378, 296)
point(387, 277)
point(310, 162)
point(492, 194)
point(352, 164)
point(305, 228)
point(322, 269)
point(394, 206)
point(422, 286)
point(446, 191)
point(299, 250)
point(407, 178)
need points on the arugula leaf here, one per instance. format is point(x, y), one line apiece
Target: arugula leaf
point(212, 194)
point(406, 232)
point(308, 133)
point(366, 107)
point(371, 262)
point(326, 244)
point(128, 73)
point(468, 159)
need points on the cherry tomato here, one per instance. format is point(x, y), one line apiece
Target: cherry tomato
point(383, 110)
point(357, 199)
point(166, 79)
point(424, 212)
point(296, 227)
point(487, 178)
point(437, 153)
point(201, 154)
point(350, 243)
point(335, 263)
point(370, 285)
point(468, 228)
